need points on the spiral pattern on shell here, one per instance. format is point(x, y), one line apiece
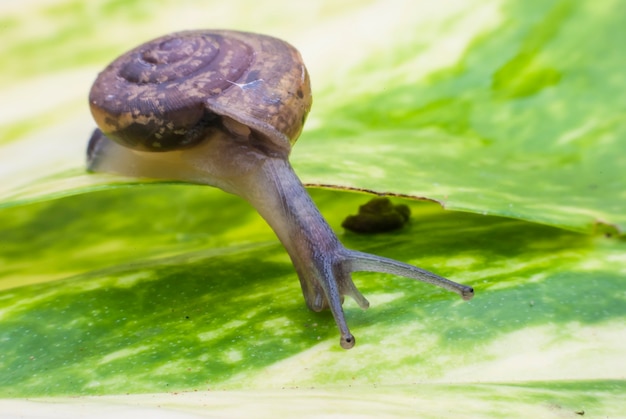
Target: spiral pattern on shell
point(170, 92)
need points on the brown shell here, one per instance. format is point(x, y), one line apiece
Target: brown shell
point(165, 94)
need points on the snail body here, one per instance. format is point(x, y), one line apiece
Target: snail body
point(224, 108)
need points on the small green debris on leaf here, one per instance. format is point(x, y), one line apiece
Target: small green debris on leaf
point(378, 215)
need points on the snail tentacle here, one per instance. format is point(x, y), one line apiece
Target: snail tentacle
point(366, 262)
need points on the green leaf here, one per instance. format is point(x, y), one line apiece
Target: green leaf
point(527, 122)
point(422, 400)
point(207, 298)
point(505, 107)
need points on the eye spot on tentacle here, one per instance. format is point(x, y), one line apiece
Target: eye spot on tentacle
point(347, 342)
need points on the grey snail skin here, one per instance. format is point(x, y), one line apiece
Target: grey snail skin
point(223, 108)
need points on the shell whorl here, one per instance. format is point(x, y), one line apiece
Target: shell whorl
point(169, 92)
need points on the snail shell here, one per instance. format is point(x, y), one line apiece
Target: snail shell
point(169, 93)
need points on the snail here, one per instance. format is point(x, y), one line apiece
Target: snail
point(224, 108)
